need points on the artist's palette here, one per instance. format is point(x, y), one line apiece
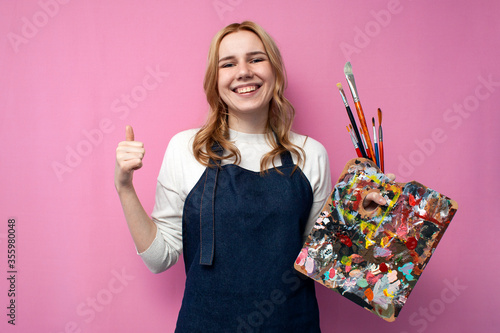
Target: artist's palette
point(374, 257)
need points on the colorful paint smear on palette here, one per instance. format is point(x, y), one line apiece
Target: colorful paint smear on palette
point(375, 256)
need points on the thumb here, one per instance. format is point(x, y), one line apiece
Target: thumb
point(391, 176)
point(129, 133)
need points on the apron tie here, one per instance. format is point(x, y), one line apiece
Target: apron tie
point(207, 213)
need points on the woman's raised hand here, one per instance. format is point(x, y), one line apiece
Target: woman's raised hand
point(129, 155)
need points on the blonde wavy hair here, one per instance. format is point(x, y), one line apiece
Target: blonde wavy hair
point(281, 111)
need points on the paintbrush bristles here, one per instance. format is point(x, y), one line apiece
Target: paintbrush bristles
point(350, 81)
point(339, 85)
point(379, 116)
point(373, 121)
point(348, 68)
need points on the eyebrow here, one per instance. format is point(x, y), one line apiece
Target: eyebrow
point(248, 54)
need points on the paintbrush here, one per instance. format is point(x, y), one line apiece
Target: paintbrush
point(352, 86)
point(375, 144)
point(380, 140)
point(351, 118)
point(363, 139)
point(354, 143)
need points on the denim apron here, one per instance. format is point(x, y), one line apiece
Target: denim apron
point(242, 232)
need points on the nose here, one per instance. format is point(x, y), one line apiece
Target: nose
point(244, 71)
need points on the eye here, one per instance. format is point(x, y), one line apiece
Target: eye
point(256, 60)
point(227, 65)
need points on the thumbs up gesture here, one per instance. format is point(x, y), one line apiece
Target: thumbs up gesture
point(129, 133)
point(129, 155)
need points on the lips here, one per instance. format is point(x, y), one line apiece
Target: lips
point(246, 89)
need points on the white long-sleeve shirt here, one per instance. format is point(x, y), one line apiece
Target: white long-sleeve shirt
point(180, 172)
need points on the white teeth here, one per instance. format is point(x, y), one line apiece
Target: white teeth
point(246, 89)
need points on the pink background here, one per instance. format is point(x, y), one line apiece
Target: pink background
point(67, 68)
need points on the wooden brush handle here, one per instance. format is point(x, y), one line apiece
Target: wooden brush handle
point(362, 121)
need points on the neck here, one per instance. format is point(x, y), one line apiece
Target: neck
point(255, 123)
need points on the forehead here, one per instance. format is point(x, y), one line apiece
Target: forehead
point(240, 43)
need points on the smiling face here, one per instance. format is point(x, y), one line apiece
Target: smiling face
point(245, 81)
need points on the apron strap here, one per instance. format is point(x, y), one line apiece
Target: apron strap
point(286, 158)
point(207, 214)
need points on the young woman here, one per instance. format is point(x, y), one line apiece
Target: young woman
point(236, 197)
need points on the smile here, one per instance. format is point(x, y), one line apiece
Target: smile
point(246, 89)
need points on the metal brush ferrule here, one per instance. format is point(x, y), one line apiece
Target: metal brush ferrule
point(344, 99)
point(352, 87)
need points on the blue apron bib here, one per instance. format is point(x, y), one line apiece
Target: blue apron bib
point(241, 234)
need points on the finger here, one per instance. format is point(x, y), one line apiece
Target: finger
point(134, 164)
point(129, 156)
point(373, 199)
point(130, 144)
point(129, 133)
point(124, 156)
point(130, 165)
point(391, 176)
point(379, 199)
